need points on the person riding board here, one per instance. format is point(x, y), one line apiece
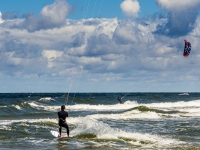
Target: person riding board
point(120, 100)
point(62, 120)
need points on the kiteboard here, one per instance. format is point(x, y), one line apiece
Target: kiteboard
point(56, 134)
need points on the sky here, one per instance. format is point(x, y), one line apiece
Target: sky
point(99, 46)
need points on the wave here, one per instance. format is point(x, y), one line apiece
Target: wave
point(131, 108)
point(101, 122)
point(90, 129)
point(179, 104)
point(146, 109)
point(46, 99)
point(100, 130)
point(131, 115)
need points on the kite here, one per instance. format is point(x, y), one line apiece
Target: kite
point(187, 49)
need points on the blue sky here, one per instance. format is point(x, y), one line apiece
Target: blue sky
point(103, 8)
point(99, 46)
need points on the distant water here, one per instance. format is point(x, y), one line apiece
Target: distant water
point(97, 121)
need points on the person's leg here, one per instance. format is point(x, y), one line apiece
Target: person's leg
point(60, 130)
point(67, 128)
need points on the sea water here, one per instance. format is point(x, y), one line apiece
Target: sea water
point(98, 121)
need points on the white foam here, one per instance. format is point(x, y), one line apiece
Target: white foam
point(85, 107)
point(46, 99)
point(43, 107)
point(191, 108)
point(104, 131)
point(3, 106)
point(17, 107)
point(102, 107)
point(8, 122)
point(179, 104)
point(132, 104)
point(130, 115)
point(89, 125)
point(33, 104)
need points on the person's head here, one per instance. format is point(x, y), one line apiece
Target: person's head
point(63, 107)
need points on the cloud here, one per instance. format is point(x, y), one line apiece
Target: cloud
point(125, 33)
point(54, 15)
point(1, 19)
point(130, 7)
point(51, 55)
point(10, 15)
point(51, 16)
point(101, 51)
point(182, 17)
point(176, 5)
point(78, 39)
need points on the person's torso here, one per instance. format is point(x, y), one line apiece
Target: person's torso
point(62, 114)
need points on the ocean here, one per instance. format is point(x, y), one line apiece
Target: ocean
point(98, 121)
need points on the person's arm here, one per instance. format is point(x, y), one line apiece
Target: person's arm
point(58, 115)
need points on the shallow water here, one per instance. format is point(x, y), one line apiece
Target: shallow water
point(98, 121)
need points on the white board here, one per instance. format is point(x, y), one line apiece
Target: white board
point(56, 134)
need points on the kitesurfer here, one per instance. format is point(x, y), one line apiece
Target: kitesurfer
point(120, 100)
point(62, 120)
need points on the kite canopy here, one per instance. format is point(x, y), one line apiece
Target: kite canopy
point(187, 48)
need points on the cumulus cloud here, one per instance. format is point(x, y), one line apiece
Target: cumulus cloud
point(1, 19)
point(91, 47)
point(51, 16)
point(102, 51)
point(176, 5)
point(125, 33)
point(78, 39)
point(130, 7)
point(51, 55)
point(182, 16)
point(54, 15)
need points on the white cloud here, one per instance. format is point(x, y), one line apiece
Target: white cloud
point(102, 51)
point(130, 7)
point(1, 20)
point(176, 5)
point(182, 16)
point(51, 16)
point(51, 54)
point(55, 14)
